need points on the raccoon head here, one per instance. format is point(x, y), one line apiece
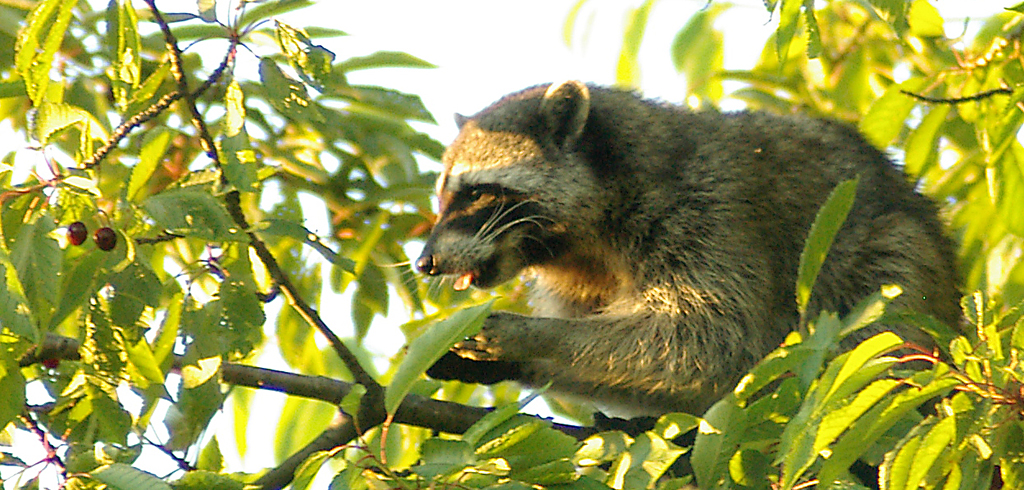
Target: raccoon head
point(510, 187)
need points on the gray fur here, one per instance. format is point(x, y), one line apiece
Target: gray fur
point(664, 243)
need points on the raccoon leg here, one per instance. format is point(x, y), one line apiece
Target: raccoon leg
point(504, 337)
point(651, 364)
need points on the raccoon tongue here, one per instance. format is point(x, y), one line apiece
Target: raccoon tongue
point(462, 282)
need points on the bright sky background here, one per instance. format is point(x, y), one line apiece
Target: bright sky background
point(485, 49)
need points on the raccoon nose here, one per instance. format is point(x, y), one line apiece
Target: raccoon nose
point(425, 264)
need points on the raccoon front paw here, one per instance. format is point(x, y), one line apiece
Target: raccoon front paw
point(500, 339)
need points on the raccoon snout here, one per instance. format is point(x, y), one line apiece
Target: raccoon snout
point(426, 265)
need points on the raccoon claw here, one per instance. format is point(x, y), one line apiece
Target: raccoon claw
point(478, 349)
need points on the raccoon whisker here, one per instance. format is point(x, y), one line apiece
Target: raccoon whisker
point(397, 264)
point(499, 213)
point(527, 219)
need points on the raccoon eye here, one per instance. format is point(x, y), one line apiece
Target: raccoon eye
point(485, 190)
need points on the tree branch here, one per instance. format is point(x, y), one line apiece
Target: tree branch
point(959, 100)
point(416, 410)
point(233, 204)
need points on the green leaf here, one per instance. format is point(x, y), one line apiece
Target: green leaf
point(77, 286)
point(570, 21)
point(12, 388)
point(647, 460)
point(12, 88)
point(287, 95)
point(37, 258)
point(804, 436)
point(193, 212)
point(239, 164)
point(145, 364)
point(271, 9)
point(52, 118)
point(717, 438)
point(382, 59)
point(38, 42)
point(15, 314)
point(426, 349)
point(627, 70)
point(697, 52)
point(311, 61)
point(873, 424)
point(492, 420)
point(443, 457)
point(813, 31)
point(154, 146)
point(779, 363)
point(283, 227)
point(853, 364)
point(207, 10)
point(119, 476)
point(187, 419)
point(207, 480)
point(750, 469)
point(826, 224)
point(886, 117)
point(122, 36)
point(307, 471)
point(210, 458)
point(916, 458)
point(789, 20)
point(925, 20)
point(602, 447)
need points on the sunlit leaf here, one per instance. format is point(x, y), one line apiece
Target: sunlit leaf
point(15, 314)
point(119, 476)
point(281, 227)
point(887, 116)
point(826, 224)
point(627, 70)
point(207, 10)
point(154, 146)
point(77, 285)
point(193, 212)
point(306, 471)
point(52, 118)
point(37, 258)
point(924, 20)
point(122, 36)
point(240, 166)
point(426, 349)
point(382, 59)
point(287, 95)
point(38, 42)
point(271, 9)
point(12, 388)
point(311, 61)
point(789, 20)
point(698, 53)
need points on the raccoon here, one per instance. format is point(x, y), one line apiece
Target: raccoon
point(664, 243)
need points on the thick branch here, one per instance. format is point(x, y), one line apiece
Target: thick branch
point(416, 410)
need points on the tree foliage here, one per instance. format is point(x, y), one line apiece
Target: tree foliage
point(195, 138)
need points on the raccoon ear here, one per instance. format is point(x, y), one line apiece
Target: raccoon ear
point(566, 106)
point(460, 120)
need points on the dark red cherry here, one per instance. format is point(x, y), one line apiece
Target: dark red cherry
point(105, 238)
point(77, 233)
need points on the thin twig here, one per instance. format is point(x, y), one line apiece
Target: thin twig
point(959, 100)
point(232, 201)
